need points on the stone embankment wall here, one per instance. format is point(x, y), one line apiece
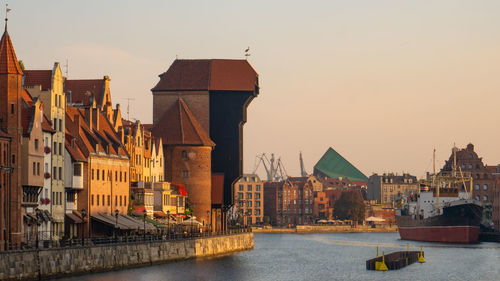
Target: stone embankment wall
point(325, 229)
point(58, 262)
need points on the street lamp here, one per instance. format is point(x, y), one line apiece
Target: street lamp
point(145, 214)
point(84, 213)
point(116, 223)
point(168, 223)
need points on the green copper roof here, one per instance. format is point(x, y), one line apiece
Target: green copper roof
point(334, 165)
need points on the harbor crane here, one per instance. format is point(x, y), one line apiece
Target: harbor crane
point(275, 170)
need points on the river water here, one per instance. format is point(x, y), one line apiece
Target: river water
point(335, 256)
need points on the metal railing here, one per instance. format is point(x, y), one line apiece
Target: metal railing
point(114, 240)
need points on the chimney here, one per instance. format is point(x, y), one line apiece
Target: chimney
point(95, 116)
point(88, 117)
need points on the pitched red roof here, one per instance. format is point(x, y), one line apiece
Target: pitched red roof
point(47, 125)
point(82, 90)
point(8, 59)
point(38, 77)
point(213, 74)
point(179, 127)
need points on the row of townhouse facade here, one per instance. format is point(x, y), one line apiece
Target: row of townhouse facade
point(67, 159)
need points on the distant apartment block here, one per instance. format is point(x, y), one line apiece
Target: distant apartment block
point(249, 197)
point(387, 188)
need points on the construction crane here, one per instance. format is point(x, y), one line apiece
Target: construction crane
point(303, 172)
point(275, 170)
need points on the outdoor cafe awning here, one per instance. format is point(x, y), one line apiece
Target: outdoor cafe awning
point(124, 222)
point(374, 219)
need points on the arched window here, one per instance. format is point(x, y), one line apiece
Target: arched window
point(477, 186)
point(477, 197)
point(485, 187)
point(485, 198)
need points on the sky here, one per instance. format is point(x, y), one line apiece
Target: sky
point(381, 82)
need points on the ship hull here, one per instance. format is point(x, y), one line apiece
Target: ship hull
point(443, 234)
point(459, 223)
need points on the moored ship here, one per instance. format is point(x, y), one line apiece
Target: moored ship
point(444, 212)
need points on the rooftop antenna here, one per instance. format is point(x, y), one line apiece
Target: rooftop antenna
point(128, 106)
point(247, 52)
point(67, 68)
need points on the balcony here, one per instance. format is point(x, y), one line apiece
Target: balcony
point(77, 182)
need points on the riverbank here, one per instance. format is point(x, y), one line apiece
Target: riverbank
point(324, 229)
point(58, 262)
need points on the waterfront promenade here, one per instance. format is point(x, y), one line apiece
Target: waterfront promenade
point(111, 254)
point(324, 229)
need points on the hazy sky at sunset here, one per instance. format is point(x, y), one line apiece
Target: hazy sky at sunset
point(382, 82)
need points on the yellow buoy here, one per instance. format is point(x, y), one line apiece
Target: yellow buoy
point(381, 265)
point(421, 256)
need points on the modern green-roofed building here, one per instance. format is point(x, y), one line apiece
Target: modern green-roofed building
point(333, 165)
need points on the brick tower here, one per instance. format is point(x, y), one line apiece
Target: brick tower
point(10, 123)
point(187, 149)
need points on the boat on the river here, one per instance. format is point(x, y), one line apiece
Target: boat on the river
point(442, 211)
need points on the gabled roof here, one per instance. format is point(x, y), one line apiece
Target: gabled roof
point(82, 90)
point(212, 74)
point(8, 59)
point(179, 127)
point(47, 125)
point(38, 77)
point(333, 165)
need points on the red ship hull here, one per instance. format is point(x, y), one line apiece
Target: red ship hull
point(444, 234)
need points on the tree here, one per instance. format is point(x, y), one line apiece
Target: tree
point(350, 206)
point(21, 65)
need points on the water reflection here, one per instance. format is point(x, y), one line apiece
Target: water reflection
point(339, 256)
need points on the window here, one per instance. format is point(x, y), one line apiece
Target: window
point(120, 200)
point(60, 149)
point(36, 144)
point(13, 159)
point(77, 169)
point(240, 187)
point(103, 178)
point(125, 177)
point(257, 187)
point(470, 166)
point(257, 195)
point(124, 200)
point(120, 175)
point(109, 199)
point(185, 173)
point(485, 187)
point(92, 174)
point(249, 187)
point(60, 125)
point(116, 175)
point(60, 173)
point(257, 203)
point(97, 200)
point(103, 200)
point(463, 166)
point(54, 172)
point(37, 168)
point(11, 108)
point(477, 197)
point(184, 155)
point(240, 195)
point(249, 195)
point(477, 186)
point(485, 198)
point(249, 204)
point(97, 174)
point(116, 200)
point(55, 125)
point(46, 170)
